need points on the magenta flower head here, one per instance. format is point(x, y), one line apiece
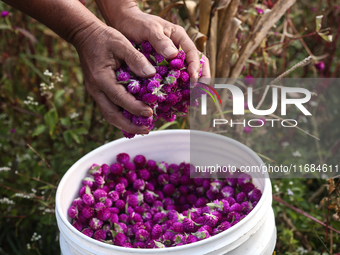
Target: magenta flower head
point(159, 218)
point(247, 187)
point(146, 47)
point(73, 212)
point(149, 98)
point(134, 86)
point(129, 166)
point(320, 66)
point(139, 161)
point(151, 165)
point(113, 195)
point(188, 225)
point(99, 181)
point(178, 228)
point(95, 223)
point(171, 99)
point(232, 182)
point(114, 218)
point(241, 197)
point(124, 76)
point(95, 170)
point(228, 191)
point(140, 245)
point(116, 169)
point(88, 232)
point(99, 193)
point(201, 234)
point(104, 214)
point(222, 227)
point(215, 186)
point(233, 216)
point(247, 130)
point(100, 235)
point(142, 235)
point(132, 200)
point(156, 231)
point(120, 239)
point(4, 14)
point(243, 178)
point(169, 189)
point(120, 204)
point(176, 64)
point(162, 70)
point(249, 80)
point(210, 219)
point(139, 184)
point(123, 158)
point(191, 239)
point(88, 199)
point(87, 211)
point(255, 195)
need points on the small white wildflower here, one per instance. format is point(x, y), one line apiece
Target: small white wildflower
point(26, 123)
point(34, 190)
point(28, 246)
point(6, 200)
point(290, 183)
point(313, 103)
point(74, 115)
point(285, 144)
point(290, 192)
point(30, 98)
point(48, 73)
point(3, 116)
point(317, 206)
point(324, 176)
point(10, 164)
point(276, 188)
point(42, 84)
point(301, 250)
point(296, 154)
point(5, 168)
point(16, 172)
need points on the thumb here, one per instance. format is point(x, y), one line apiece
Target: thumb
point(136, 61)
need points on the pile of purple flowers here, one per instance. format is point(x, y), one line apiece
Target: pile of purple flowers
point(167, 92)
point(144, 204)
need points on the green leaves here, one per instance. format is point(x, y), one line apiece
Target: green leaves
point(40, 129)
point(74, 134)
point(51, 119)
point(324, 34)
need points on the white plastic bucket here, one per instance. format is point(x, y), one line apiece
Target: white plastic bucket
point(254, 235)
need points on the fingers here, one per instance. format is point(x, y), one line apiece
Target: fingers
point(206, 68)
point(115, 117)
point(136, 61)
point(159, 39)
point(180, 38)
point(119, 96)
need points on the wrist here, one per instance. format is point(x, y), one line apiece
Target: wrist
point(122, 10)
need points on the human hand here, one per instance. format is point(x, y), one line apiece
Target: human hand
point(101, 51)
point(163, 35)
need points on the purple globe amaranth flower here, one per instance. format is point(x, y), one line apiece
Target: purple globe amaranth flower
point(163, 179)
point(210, 219)
point(99, 181)
point(186, 180)
point(136, 217)
point(171, 99)
point(247, 187)
point(78, 202)
point(162, 70)
point(156, 231)
point(222, 227)
point(72, 212)
point(142, 235)
point(105, 169)
point(77, 225)
point(205, 184)
point(88, 199)
point(99, 193)
point(151, 165)
point(136, 120)
point(120, 239)
point(114, 218)
point(210, 195)
point(87, 211)
point(241, 197)
point(176, 64)
point(113, 195)
point(132, 200)
point(134, 86)
point(169, 189)
point(246, 207)
point(123, 158)
point(140, 245)
point(259, 10)
point(128, 135)
point(127, 114)
point(95, 223)
point(120, 227)
point(235, 208)
point(201, 202)
point(178, 228)
point(188, 225)
point(247, 130)
point(149, 98)
point(159, 218)
point(4, 14)
point(128, 245)
point(192, 199)
point(124, 76)
point(114, 210)
point(230, 200)
point(150, 197)
point(232, 182)
point(249, 80)
point(153, 86)
point(146, 47)
point(103, 214)
point(228, 191)
point(139, 161)
point(149, 186)
point(320, 65)
point(215, 186)
point(120, 188)
point(88, 232)
point(184, 76)
point(99, 235)
point(139, 184)
point(255, 195)
point(243, 178)
point(131, 176)
point(120, 204)
point(98, 206)
point(232, 216)
point(191, 239)
point(175, 178)
point(116, 169)
point(129, 166)
point(184, 190)
point(95, 170)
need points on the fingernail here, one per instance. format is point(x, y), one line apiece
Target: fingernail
point(146, 113)
point(169, 51)
point(144, 132)
point(149, 70)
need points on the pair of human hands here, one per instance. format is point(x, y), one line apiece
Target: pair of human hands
point(102, 50)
